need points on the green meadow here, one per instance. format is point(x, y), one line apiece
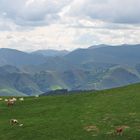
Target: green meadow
point(85, 116)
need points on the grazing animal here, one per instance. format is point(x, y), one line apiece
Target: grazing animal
point(6, 100)
point(1, 99)
point(119, 131)
point(10, 102)
point(14, 122)
point(14, 99)
point(36, 96)
point(21, 99)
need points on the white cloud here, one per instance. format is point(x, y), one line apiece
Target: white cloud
point(68, 24)
point(32, 12)
point(117, 11)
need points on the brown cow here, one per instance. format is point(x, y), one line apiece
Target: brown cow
point(10, 102)
point(119, 130)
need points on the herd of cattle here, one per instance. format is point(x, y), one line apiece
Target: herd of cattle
point(11, 102)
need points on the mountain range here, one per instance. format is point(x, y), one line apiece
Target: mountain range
point(50, 52)
point(97, 67)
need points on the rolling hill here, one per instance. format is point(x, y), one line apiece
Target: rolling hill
point(13, 79)
point(14, 82)
point(97, 67)
point(123, 54)
point(86, 116)
point(19, 58)
point(116, 77)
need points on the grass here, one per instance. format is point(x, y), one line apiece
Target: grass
point(56, 87)
point(91, 116)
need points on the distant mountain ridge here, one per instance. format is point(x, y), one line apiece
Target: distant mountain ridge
point(96, 67)
point(19, 58)
point(51, 53)
point(125, 54)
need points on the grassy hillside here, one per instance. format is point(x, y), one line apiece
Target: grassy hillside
point(6, 91)
point(75, 117)
point(118, 76)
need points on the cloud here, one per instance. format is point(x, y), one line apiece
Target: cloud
point(45, 12)
point(32, 12)
point(68, 24)
point(115, 11)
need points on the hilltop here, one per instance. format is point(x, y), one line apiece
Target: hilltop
point(75, 117)
point(97, 67)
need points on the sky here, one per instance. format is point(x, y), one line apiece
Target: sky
point(30, 25)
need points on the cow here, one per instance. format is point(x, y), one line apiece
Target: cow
point(36, 96)
point(6, 100)
point(14, 122)
point(119, 130)
point(10, 102)
point(21, 99)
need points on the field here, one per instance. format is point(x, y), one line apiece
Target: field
point(90, 116)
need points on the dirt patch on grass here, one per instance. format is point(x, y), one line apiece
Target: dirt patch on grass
point(91, 128)
point(125, 126)
point(132, 113)
point(110, 132)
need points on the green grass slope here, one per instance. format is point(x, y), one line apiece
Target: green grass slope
point(7, 91)
point(75, 117)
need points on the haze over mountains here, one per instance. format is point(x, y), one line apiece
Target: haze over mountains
point(97, 67)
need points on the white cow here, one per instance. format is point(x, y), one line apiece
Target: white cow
point(14, 99)
point(36, 96)
point(21, 99)
point(14, 122)
point(6, 100)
